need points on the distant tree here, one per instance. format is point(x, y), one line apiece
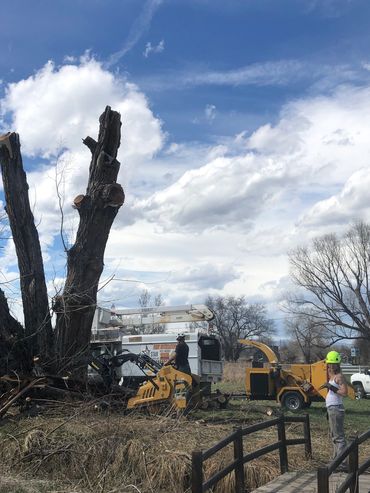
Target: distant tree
point(334, 274)
point(364, 348)
point(235, 319)
point(289, 351)
point(146, 300)
point(309, 337)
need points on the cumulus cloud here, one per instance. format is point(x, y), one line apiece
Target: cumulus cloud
point(198, 218)
point(352, 202)
point(149, 48)
point(53, 110)
point(58, 106)
point(204, 276)
point(316, 146)
point(225, 192)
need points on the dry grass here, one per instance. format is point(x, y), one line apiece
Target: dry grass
point(110, 453)
point(74, 448)
point(234, 373)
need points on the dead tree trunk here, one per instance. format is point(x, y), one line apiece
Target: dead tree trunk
point(37, 320)
point(14, 354)
point(75, 308)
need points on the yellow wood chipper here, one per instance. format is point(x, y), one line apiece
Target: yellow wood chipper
point(294, 386)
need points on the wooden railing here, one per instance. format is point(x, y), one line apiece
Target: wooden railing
point(355, 470)
point(237, 465)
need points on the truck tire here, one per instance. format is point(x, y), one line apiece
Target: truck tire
point(293, 401)
point(359, 391)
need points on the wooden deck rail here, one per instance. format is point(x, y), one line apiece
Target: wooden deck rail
point(351, 481)
point(237, 465)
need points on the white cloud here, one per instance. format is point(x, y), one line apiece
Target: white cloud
point(276, 186)
point(149, 48)
point(285, 72)
point(198, 219)
point(328, 8)
point(351, 203)
point(204, 276)
point(70, 59)
point(227, 191)
point(57, 107)
point(210, 112)
point(138, 28)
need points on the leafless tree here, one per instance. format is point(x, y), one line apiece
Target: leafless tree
point(308, 338)
point(67, 346)
point(37, 318)
point(146, 301)
point(289, 351)
point(364, 347)
point(235, 319)
point(333, 274)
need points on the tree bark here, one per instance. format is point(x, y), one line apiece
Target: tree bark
point(75, 308)
point(37, 320)
point(14, 354)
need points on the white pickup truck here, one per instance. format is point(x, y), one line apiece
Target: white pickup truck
point(361, 384)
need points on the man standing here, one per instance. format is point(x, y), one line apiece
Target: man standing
point(180, 358)
point(337, 389)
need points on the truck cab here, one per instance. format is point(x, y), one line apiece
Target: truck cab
point(361, 384)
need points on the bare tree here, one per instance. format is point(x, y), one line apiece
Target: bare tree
point(235, 319)
point(146, 301)
point(309, 337)
point(334, 276)
point(289, 351)
point(364, 349)
point(97, 209)
point(37, 319)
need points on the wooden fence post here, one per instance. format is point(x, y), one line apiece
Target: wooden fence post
point(353, 465)
point(239, 468)
point(283, 454)
point(197, 471)
point(323, 480)
point(307, 437)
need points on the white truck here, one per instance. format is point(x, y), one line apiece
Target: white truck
point(205, 357)
point(361, 383)
point(111, 331)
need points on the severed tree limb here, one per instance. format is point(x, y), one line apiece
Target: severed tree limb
point(37, 319)
point(97, 208)
point(90, 143)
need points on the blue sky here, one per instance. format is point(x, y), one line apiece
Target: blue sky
point(245, 133)
point(200, 37)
